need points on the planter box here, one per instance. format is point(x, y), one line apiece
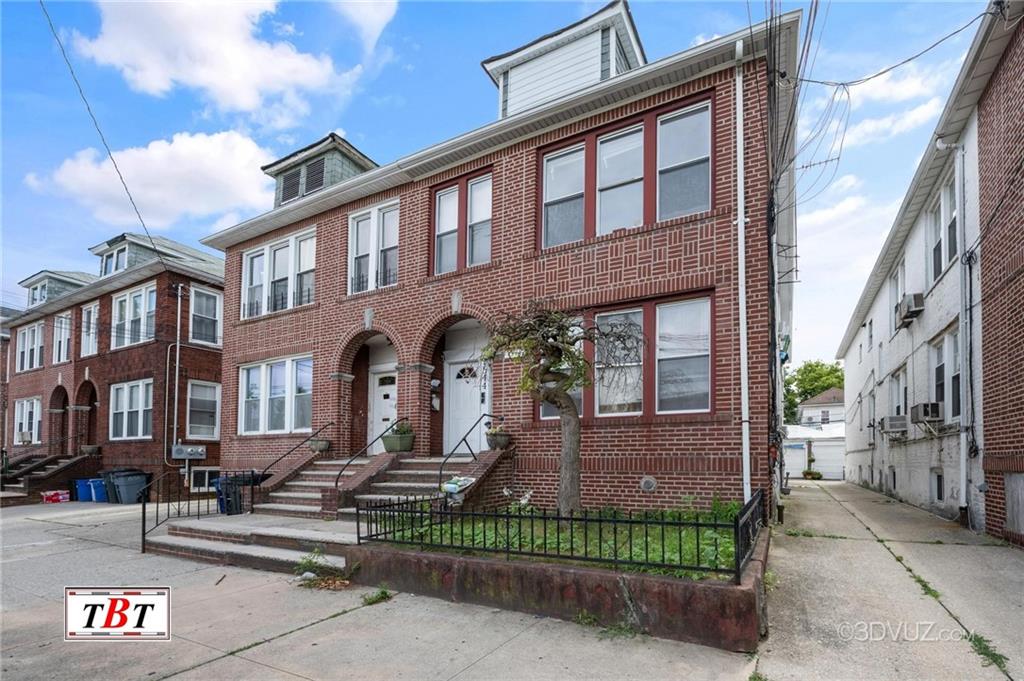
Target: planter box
point(398, 443)
point(89, 450)
point(498, 440)
point(319, 445)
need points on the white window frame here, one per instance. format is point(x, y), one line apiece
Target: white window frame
point(30, 354)
point(199, 469)
point(640, 179)
point(657, 355)
point(581, 147)
point(37, 294)
point(267, 250)
point(454, 230)
point(899, 397)
point(469, 224)
point(19, 419)
point(196, 288)
point(952, 350)
point(188, 411)
point(144, 337)
point(373, 257)
point(61, 338)
point(657, 150)
point(597, 367)
point(112, 257)
point(126, 387)
point(264, 408)
point(937, 349)
point(897, 289)
point(89, 343)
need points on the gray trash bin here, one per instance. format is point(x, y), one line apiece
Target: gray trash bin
point(129, 484)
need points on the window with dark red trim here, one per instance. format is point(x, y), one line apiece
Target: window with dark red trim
point(462, 224)
point(673, 373)
point(653, 168)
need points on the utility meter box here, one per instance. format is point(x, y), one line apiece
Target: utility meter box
point(188, 452)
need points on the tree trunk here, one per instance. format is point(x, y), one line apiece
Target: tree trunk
point(569, 468)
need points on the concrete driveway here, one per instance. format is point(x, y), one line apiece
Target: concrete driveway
point(234, 623)
point(870, 588)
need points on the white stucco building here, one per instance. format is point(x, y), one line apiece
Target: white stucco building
point(822, 409)
point(902, 347)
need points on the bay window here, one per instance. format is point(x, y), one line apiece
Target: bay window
point(134, 318)
point(563, 197)
point(684, 356)
point(62, 338)
point(206, 308)
point(276, 396)
point(203, 418)
point(373, 249)
point(279, 275)
point(620, 181)
point(90, 329)
point(131, 410)
point(28, 421)
point(30, 347)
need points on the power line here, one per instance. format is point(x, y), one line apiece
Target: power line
point(99, 131)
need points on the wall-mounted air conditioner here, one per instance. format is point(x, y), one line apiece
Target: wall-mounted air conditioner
point(910, 308)
point(926, 412)
point(894, 424)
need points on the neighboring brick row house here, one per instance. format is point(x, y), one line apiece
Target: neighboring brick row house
point(932, 400)
point(91, 361)
point(607, 187)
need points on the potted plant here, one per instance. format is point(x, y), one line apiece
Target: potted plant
point(400, 438)
point(319, 445)
point(498, 437)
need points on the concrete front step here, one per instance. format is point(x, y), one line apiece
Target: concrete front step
point(289, 510)
point(228, 553)
point(290, 534)
point(325, 475)
point(307, 499)
point(338, 463)
point(305, 485)
point(377, 498)
point(409, 488)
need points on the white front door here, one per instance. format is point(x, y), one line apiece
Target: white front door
point(466, 398)
point(383, 406)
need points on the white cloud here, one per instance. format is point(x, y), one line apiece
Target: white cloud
point(229, 219)
point(214, 47)
point(33, 182)
point(845, 184)
point(870, 130)
point(189, 176)
point(370, 17)
point(702, 38)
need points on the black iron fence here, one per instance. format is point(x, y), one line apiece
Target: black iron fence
point(715, 541)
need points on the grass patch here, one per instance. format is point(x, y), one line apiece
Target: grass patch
point(771, 580)
point(585, 619)
point(327, 576)
point(620, 630)
point(379, 596)
point(925, 586)
point(796, 532)
point(989, 655)
point(757, 676)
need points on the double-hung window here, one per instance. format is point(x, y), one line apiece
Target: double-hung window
point(30, 347)
point(373, 248)
point(944, 363)
point(62, 338)
point(898, 393)
point(478, 231)
point(953, 344)
point(277, 396)
point(207, 307)
point(203, 420)
point(938, 366)
point(937, 262)
point(563, 197)
point(620, 180)
point(90, 329)
point(684, 356)
point(462, 224)
point(115, 261)
point(550, 411)
point(897, 282)
point(684, 162)
point(949, 217)
point(619, 368)
point(446, 239)
point(37, 294)
point(134, 318)
point(279, 275)
point(131, 410)
point(28, 420)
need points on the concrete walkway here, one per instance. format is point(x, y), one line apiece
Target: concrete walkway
point(234, 623)
point(870, 588)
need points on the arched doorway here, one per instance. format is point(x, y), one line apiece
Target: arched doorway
point(370, 361)
point(58, 421)
point(85, 414)
point(460, 384)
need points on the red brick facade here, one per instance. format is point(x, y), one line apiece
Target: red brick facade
point(1001, 187)
point(76, 394)
point(695, 455)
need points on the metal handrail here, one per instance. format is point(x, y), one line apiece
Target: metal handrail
point(352, 458)
point(10, 461)
point(311, 436)
point(465, 440)
point(23, 450)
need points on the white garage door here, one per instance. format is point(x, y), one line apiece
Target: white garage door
point(796, 458)
point(828, 458)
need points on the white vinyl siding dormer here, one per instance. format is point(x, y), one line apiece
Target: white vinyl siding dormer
point(565, 69)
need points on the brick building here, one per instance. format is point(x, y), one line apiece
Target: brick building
point(608, 186)
point(92, 360)
point(931, 350)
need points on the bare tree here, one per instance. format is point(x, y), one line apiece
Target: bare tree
point(549, 346)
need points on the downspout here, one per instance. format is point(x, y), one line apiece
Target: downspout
point(177, 375)
point(964, 368)
point(167, 401)
point(741, 246)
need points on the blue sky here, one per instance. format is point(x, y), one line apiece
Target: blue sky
point(193, 100)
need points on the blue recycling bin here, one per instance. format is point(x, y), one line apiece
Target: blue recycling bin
point(99, 489)
point(83, 492)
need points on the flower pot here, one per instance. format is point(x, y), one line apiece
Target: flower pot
point(498, 440)
point(319, 445)
point(89, 450)
point(398, 443)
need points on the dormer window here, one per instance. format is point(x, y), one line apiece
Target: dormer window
point(303, 180)
point(37, 294)
point(114, 261)
point(290, 185)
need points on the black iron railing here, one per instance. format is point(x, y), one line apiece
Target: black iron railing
point(303, 296)
point(365, 449)
point(30, 458)
point(311, 436)
point(387, 277)
point(359, 283)
point(173, 497)
point(465, 441)
point(668, 542)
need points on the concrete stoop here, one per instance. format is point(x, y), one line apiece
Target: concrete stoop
point(227, 553)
